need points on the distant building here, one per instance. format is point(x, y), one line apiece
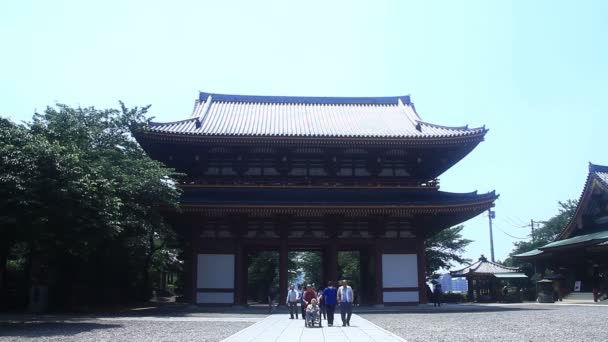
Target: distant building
point(485, 279)
point(450, 284)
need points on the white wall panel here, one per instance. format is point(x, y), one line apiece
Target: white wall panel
point(400, 296)
point(215, 297)
point(215, 271)
point(399, 270)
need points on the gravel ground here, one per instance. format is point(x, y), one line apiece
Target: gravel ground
point(499, 323)
point(199, 327)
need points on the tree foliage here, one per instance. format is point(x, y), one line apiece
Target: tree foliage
point(83, 203)
point(311, 264)
point(545, 234)
point(349, 268)
point(444, 249)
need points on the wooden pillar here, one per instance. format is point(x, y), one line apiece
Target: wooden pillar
point(194, 245)
point(240, 273)
point(378, 265)
point(363, 286)
point(421, 249)
point(470, 296)
point(332, 260)
point(333, 227)
point(283, 269)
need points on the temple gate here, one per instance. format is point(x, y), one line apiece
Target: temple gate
point(318, 173)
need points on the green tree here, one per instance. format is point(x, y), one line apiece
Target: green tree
point(543, 235)
point(84, 200)
point(444, 249)
point(263, 274)
point(311, 265)
point(349, 268)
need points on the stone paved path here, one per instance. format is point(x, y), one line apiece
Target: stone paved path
point(278, 328)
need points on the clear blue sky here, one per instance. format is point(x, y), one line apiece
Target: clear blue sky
point(534, 72)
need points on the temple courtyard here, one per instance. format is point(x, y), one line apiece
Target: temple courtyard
point(492, 322)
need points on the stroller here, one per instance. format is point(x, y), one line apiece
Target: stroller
point(313, 317)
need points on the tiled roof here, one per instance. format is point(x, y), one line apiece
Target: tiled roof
point(586, 239)
point(597, 174)
point(276, 116)
point(600, 172)
point(484, 267)
point(531, 253)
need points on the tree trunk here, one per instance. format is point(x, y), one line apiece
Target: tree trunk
point(3, 259)
point(5, 246)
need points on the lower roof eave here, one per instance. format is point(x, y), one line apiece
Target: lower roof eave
point(295, 139)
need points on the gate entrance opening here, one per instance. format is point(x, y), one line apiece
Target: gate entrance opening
point(262, 276)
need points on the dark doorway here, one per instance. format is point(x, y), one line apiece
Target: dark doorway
point(358, 267)
point(262, 276)
point(306, 267)
point(349, 268)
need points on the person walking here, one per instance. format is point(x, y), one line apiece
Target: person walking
point(596, 283)
point(345, 299)
point(437, 293)
point(321, 301)
point(303, 302)
point(330, 297)
point(292, 301)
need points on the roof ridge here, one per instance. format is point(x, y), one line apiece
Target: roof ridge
point(597, 168)
point(465, 127)
point(393, 100)
point(503, 266)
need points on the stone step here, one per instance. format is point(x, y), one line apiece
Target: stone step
point(580, 296)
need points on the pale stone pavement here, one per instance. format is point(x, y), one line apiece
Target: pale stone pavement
point(278, 328)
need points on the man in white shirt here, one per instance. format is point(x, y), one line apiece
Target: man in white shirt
point(345, 299)
point(292, 301)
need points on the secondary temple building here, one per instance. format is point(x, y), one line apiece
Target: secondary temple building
point(312, 173)
point(578, 256)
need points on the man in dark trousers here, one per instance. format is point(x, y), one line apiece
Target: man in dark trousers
point(345, 299)
point(330, 296)
point(292, 301)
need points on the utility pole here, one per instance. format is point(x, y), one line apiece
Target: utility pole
point(532, 230)
point(491, 215)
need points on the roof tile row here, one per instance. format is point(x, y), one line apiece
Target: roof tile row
point(234, 115)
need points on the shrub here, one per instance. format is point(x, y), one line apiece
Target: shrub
point(454, 297)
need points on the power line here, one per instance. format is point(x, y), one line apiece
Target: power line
point(515, 222)
point(512, 236)
point(512, 224)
